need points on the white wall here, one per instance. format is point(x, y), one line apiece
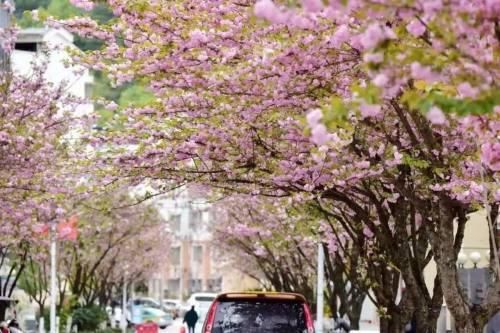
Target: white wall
point(57, 72)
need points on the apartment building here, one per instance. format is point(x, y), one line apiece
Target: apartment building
point(191, 265)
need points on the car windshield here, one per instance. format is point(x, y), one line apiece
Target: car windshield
point(204, 298)
point(30, 325)
point(267, 316)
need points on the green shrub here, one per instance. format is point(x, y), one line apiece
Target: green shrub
point(89, 318)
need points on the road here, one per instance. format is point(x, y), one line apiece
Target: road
point(176, 327)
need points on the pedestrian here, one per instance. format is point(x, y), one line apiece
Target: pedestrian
point(176, 314)
point(14, 326)
point(4, 327)
point(190, 319)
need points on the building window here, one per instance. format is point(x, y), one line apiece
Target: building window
point(173, 288)
point(214, 285)
point(29, 47)
point(195, 220)
point(175, 223)
point(197, 254)
point(175, 255)
point(89, 87)
point(195, 285)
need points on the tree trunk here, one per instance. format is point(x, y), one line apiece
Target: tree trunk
point(41, 309)
point(426, 321)
point(443, 245)
point(392, 324)
point(4, 304)
point(355, 314)
point(467, 327)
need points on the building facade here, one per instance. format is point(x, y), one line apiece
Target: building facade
point(191, 265)
point(50, 47)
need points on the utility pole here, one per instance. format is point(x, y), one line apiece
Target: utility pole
point(320, 288)
point(6, 11)
point(53, 277)
point(124, 305)
point(161, 287)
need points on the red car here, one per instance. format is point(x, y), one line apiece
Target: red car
point(266, 312)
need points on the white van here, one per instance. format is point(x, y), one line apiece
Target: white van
point(201, 302)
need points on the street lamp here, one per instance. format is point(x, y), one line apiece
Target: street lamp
point(475, 257)
point(124, 301)
point(461, 259)
point(473, 279)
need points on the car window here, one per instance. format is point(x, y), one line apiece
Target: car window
point(154, 306)
point(204, 298)
point(30, 324)
point(260, 317)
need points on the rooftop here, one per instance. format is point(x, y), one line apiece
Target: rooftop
point(38, 35)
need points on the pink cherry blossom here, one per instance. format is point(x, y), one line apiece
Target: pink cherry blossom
point(466, 90)
point(340, 36)
point(381, 80)
point(268, 10)
point(425, 73)
point(319, 135)
point(371, 111)
point(436, 116)
point(312, 5)
point(490, 155)
point(416, 28)
point(373, 36)
point(237, 122)
point(313, 117)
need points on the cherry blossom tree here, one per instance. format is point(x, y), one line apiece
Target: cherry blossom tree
point(280, 245)
point(108, 238)
point(33, 161)
point(34, 279)
point(381, 84)
point(92, 269)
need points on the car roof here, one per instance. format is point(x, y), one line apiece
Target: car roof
point(153, 310)
point(194, 295)
point(262, 295)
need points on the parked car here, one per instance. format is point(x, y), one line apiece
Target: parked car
point(201, 301)
point(160, 317)
point(172, 304)
point(140, 310)
point(145, 301)
point(30, 324)
point(259, 313)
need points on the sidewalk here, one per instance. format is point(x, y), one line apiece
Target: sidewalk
point(174, 328)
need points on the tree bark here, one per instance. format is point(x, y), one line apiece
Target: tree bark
point(468, 327)
point(426, 321)
point(4, 304)
point(355, 315)
point(392, 323)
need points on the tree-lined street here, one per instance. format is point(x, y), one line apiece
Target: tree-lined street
point(367, 129)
